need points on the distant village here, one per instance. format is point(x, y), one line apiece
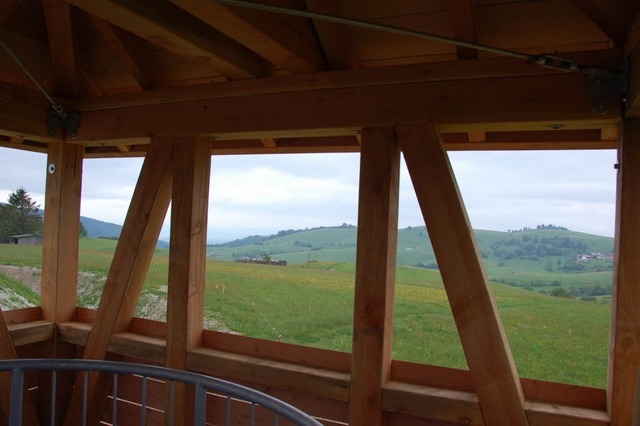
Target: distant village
point(587, 257)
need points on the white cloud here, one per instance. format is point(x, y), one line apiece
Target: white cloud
point(263, 194)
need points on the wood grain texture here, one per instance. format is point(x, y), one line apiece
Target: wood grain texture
point(129, 267)
point(497, 105)
point(375, 274)
point(172, 28)
point(472, 303)
point(62, 45)
point(285, 41)
point(187, 260)
point(624, 353)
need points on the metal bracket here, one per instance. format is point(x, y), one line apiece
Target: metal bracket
point(66, 120)
point(602, 87)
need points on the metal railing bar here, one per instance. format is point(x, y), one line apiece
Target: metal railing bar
point(276, 420)
point(199, 413)
point(228, 410)
point(85, 385)
point(143, 414)
point(54, 393)
point(201, 382)
point(171, 396)
point(114, 407)
point(253, 414)
point(15, 402)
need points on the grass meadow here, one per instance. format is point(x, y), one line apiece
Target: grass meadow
point(556, 339)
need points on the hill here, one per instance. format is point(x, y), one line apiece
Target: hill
point(541, 258)
point(552, 338)
point(97, 228)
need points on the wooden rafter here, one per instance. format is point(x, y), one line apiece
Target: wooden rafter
point(632, 107)
point(336, 40)
point(287, 42)
point(128, 269)
point(63, 47)
point(172, 28)
point(375, 274)
point(474, 309)
point(633, 39)
point(624, 359)
point(131, 49)
point(464, 26)
point(609, 16)
point(187, 259)
point(552, 100)
point(6, 8)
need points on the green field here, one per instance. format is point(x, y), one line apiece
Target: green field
point(552, 338)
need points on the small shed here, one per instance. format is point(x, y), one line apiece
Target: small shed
point(26, 239)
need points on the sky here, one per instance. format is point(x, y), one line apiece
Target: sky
point(253, 194)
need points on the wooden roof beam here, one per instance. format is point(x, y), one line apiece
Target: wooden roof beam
point(474, 309)
point(609, 16)
point(464, 26)
point(335, 39)
point(6, 8)
point(285, 41)
point(513, 104)
point(62, 46)
point(174, 29)
point(131, 49)
point(633, 39)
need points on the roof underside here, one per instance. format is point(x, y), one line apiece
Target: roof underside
point(255, 81)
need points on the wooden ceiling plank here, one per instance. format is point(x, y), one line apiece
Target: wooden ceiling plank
point(375, 274)
point(464, 26)
point(6, 7)
point(176, 30)
point(62, 46)
point(131, 49)
point(625, 324)
point(285, 41)
point(128, 269)
point(336, 39)
point(609, 17)
point(498, 105)
point(474, 309)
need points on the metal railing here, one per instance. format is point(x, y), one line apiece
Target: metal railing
point(202, 385)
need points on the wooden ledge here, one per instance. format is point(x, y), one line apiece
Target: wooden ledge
point(462, 407)
point(31, 332)
point(416, 400)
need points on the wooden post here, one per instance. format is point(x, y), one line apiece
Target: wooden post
point(187, 261)
point(60, 248)
point(61, 232)
point(624, 353)
point(375, 274)
point(474, 310)
point(128, 269)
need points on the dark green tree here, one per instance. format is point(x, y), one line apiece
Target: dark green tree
point(20, 216)
point(83, 230)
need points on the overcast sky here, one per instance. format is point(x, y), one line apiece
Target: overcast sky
point(264, 194)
